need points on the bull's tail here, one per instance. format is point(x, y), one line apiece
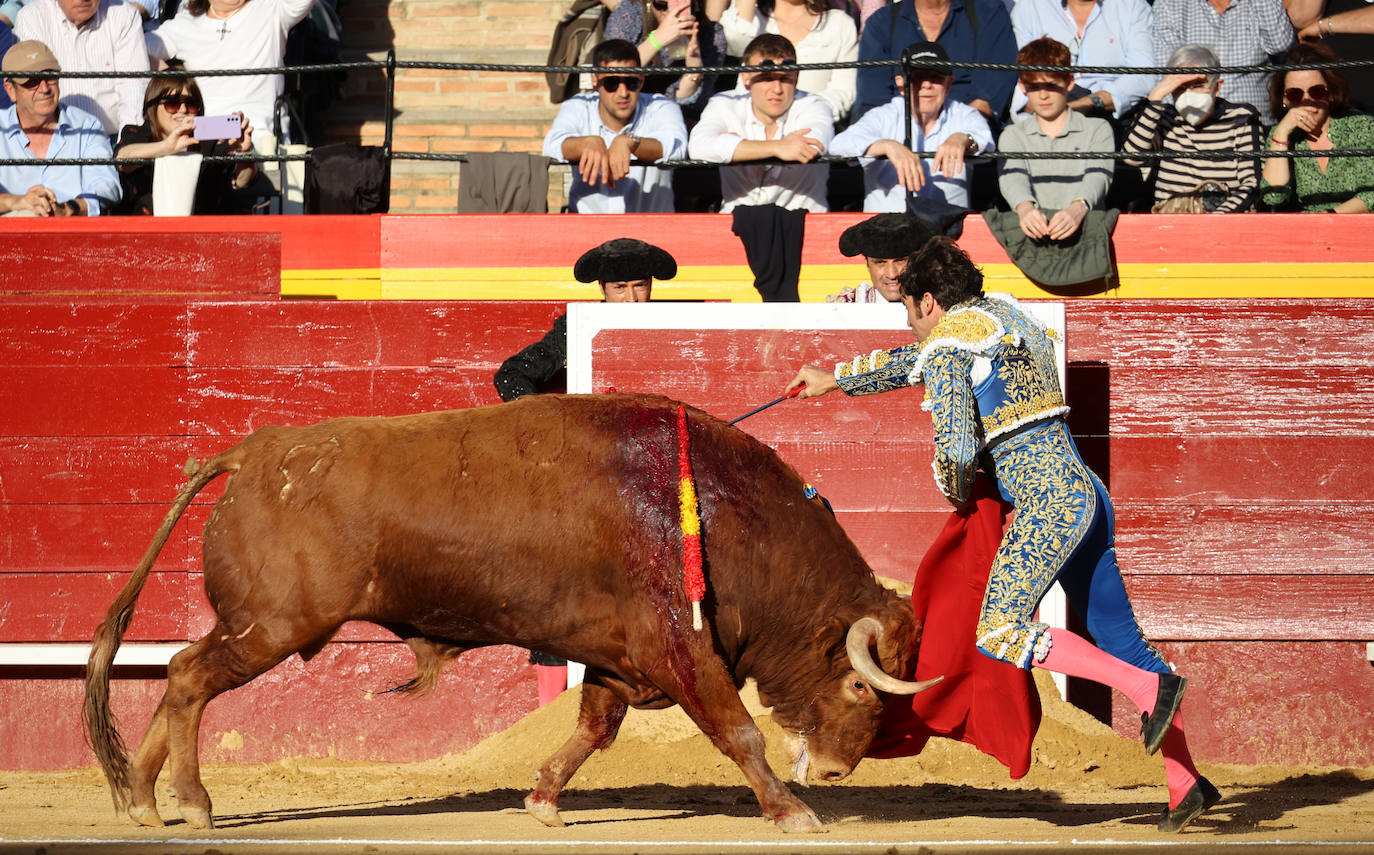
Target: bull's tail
point(102, 731)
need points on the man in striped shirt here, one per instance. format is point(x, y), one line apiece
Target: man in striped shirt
point(1197, 121)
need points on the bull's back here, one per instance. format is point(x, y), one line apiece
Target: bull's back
point(460, 523)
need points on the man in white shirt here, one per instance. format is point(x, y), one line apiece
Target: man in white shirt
point(601, 132)
point(951, 129)
point(771, 120)
point(93, 35)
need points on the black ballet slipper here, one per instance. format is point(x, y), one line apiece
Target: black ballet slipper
point(1202, 796)
point(1154, 725)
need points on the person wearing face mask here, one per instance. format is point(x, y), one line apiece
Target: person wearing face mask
point(1196, 121)
point(1318, 118)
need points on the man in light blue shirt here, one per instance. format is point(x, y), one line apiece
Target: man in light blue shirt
point(36, 127)
point(1097, 32)
point(951, 129)
point(602, 132)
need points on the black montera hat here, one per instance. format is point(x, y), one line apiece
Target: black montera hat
point(917, 55)
point(886, 236)
point(624, 260)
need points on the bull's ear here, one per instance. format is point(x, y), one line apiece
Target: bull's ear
point(901, 637)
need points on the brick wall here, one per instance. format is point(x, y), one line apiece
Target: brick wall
point(447, 111)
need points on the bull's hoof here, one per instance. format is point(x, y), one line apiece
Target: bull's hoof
point(197, 817)
point(146, 816)
point(801, 822)
point(545, 812)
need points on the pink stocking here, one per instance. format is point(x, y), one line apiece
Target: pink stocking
point(1074, 655)
point(1178, 762)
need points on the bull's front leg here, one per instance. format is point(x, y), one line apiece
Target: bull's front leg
point(598, 721)
point(714, 704)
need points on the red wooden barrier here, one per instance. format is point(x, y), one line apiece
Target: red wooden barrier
point(1235, 436)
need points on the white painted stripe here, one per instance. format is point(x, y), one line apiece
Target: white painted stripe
point(77, 654)
point(790, 843)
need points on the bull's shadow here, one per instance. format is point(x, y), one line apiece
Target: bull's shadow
point(1241, 810)
point(913, 803)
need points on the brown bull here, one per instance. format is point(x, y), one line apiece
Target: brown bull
point(549, 523)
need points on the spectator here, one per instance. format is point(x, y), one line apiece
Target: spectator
point(1344, 26)
point(771, 120)
point(1068, 189)
point(37, 127)
point(219, 34)
point(602, 132)
point(7, 40)
point(952, 129)
point(1115, 32)
point(169, 118)
point(1239, 32)
point(886, 242)
point(968, 30)
point(626, 269)
point(819, 33)
point(1197, 121)
point(669, 33)
point(1318, 118)
point(93, 35)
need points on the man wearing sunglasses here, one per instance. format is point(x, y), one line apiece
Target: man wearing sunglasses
point(37, 128)
point(951, 129)
point(772, 120)
point(604, 132)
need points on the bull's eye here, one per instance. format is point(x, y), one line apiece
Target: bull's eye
point(860, 687)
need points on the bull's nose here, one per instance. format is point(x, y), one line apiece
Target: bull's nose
point(832, 776)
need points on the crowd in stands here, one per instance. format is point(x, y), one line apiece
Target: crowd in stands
point(48, 118)
point(771, 125)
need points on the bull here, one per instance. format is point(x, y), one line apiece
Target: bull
point(550, 523)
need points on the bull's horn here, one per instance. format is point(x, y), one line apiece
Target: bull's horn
point(863, 633)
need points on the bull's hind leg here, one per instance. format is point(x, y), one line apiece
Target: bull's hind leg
point(217, 663)
point(143, 770)
point(598, 721)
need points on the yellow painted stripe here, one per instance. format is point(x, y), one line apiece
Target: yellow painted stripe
point(342, 284)
point(735, 283)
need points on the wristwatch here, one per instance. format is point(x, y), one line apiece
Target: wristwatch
point(634, 142)
point(1096, 102)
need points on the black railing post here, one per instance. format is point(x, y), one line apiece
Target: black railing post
point(390, 96)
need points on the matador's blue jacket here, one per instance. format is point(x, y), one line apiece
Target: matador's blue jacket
point(989, 369)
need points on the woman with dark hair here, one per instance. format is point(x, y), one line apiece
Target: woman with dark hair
point(818, 32)
point(171, 106)
point(1316, 116)
point(220, 34)
point(673, 33)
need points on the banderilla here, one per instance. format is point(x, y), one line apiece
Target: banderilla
point(791, 394)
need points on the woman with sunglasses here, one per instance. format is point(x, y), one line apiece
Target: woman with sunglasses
point(171, 106)
point(674, 33)
point(1317, 117)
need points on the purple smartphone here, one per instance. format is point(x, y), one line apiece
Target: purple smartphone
point(218, 128)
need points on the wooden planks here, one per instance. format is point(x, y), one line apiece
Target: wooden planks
point(1236, 437)
point(148, 262)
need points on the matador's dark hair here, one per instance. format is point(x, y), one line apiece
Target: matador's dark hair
point(943, 270)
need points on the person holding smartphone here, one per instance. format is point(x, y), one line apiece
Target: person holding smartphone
point(171, 107)
point(674, 33)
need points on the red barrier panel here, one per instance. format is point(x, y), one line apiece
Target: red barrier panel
point(1237, 438)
